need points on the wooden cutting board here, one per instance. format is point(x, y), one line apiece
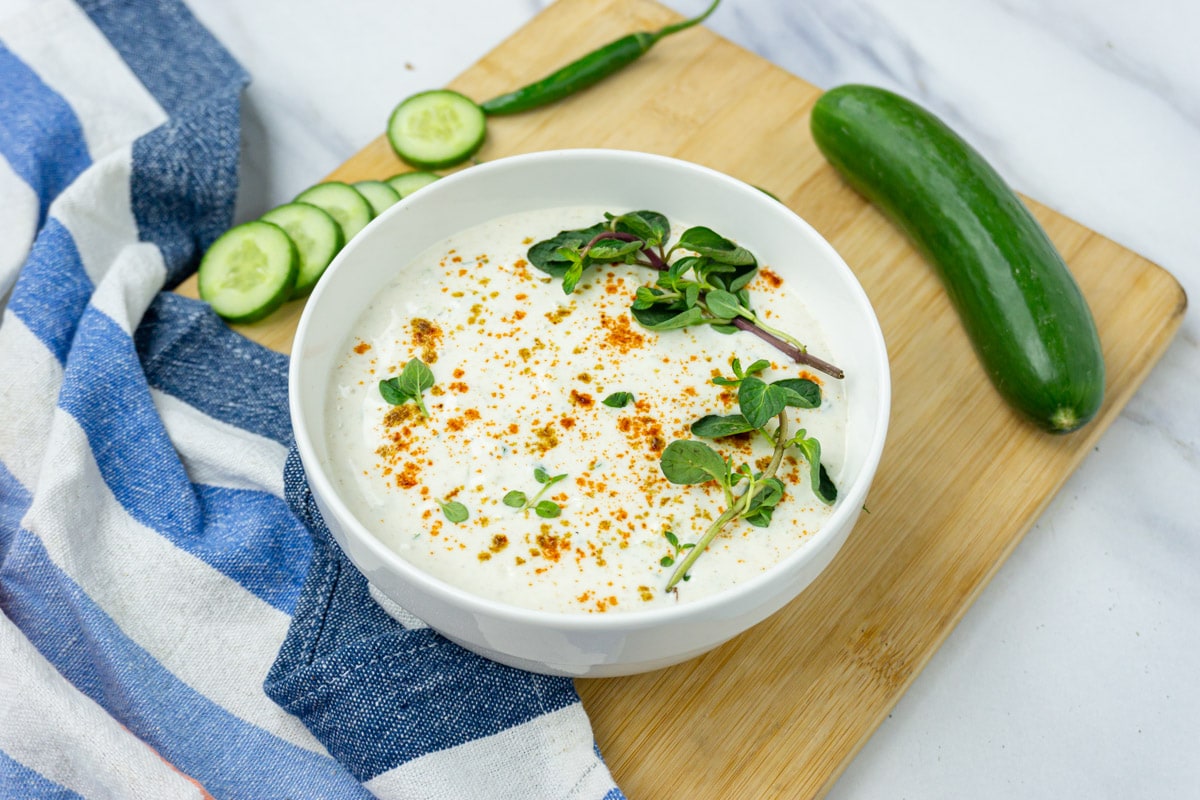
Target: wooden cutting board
point(780, 710)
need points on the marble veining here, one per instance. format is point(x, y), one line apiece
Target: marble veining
point(1073, 675)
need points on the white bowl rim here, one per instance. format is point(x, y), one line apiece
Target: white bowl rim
point(690, 611)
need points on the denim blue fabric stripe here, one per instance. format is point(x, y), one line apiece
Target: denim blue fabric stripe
point(184, 181)
point(106, 391)
point(53, 289)
point(166, 47)
point(614, 794)
point(14, 502)
point(376, 694)
point(184, 178)
point(40, 136)
point(253, 538)
point(18, 780)
point(187, 352)
point(229, 756)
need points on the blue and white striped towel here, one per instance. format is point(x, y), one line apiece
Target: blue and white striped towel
point(160, 558)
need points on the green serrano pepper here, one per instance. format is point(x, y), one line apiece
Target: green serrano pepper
point(587, 70)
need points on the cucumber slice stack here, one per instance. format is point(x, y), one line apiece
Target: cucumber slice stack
point(380, 195)
point(316, 235)
point(343, 202)
point(254, 268)
point(408, 182)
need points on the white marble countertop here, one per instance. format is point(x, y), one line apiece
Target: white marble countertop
point(1075, 673)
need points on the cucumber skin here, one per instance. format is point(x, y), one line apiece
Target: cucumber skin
point(1022, 310)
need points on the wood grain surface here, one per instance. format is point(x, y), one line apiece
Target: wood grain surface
point(780, 710)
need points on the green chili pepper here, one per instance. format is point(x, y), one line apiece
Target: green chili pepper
point(587, 70)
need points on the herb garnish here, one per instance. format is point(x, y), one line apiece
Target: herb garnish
point(412, 381)
point(455, 511)
point(749, 495)
point(677, 548)
point(618, 399)
point(701, 280)
point(546, 509)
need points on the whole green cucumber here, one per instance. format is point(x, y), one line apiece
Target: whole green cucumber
point(1022, 310)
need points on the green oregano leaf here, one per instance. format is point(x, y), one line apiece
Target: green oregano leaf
point(455, 511)
point(690, 462)
point(708, 242)
point(412, 381)
point(544, 255)
point(656, 318)
point(723, 304)
point(618, 399)
point(613, 249)
point(826, 491)
point(649, 226)
point(822, 484)
point(391, 392)
point(415, 378)
point(547, 509)
point(801, 392)
point(514, 499)
point(758, 366)
point(573, 273)
point(714, 426)
point(760, 401)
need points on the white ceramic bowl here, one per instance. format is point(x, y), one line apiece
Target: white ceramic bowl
point(600, 644)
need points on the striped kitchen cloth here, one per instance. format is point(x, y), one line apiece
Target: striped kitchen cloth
point(160, 558)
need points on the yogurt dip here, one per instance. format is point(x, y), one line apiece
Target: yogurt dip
point(521, 372)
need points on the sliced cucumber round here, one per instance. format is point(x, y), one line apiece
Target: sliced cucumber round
point(435, 129)
point(342, 202)
point(249, 271)
point(380, 195)
point(317, 238)
point(408, 182)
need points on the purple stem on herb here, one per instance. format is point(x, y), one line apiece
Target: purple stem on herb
point(788, 349)
point(655, 260)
